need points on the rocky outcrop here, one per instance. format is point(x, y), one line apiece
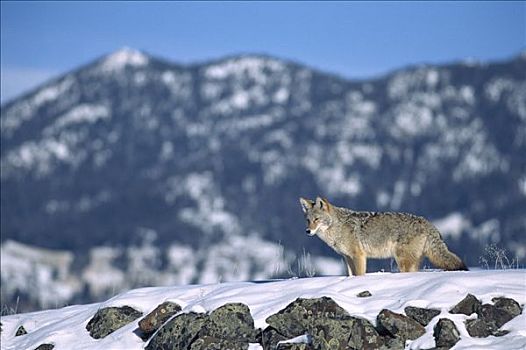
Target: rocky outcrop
point(365, 336)
point(446, 334)
point(304, 324)
point(228, 327)
point(109, 319)
point(398, 326)
point(230, 322)
point(303, 314)
point(421, 315)
point(151, 322)
point(490, 317)
point(294, 346)
point(328, 325)
point(467, 306)
point(178, 333)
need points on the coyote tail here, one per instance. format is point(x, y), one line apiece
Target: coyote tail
point(439, 255)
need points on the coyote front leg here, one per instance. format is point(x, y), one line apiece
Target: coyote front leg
point(356, 265)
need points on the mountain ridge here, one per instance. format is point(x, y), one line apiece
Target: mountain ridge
point(203, 62)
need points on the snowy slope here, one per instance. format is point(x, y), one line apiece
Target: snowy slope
point(132, 163)
point(65, 328)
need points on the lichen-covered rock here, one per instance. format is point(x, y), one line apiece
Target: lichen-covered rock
point(421, 315)
point(270, 338)
point(446, 333)
point(467, 306)
point(211, 343)
point(500, 332)
point(230, 322)
point(398, 325)
point(393, 344)
point(492, 317)
point(507, 304)
point(364, 294)
point(300, 316)
point(479, 328)
point(228, 327)
point(151, 322)
point(109, 319)
point(294, 346)
point(20, 331)
point(178, 333)
point(45, 347)
point(492, 314)
point(331, 334)
point(364, 336)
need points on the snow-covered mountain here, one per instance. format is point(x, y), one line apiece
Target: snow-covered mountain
point(195, 170)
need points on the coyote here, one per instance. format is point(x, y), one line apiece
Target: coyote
point(358, 235)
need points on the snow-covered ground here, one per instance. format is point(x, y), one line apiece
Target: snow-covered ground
point(66, 327)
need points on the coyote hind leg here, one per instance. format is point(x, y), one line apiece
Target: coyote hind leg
point(407, 262)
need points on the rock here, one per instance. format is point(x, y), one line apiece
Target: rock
point(230, 322)
point(492, 317)
point(364, 336)
point(398, 325)
point(492, 314)
point(300, 316)
point(467, 306)
point(446, 333)
point(109, 319)
point(421, 315)
point(45, 347)
point(151, 322)
point(270, 338)
point(20, 331)
point(331, 334)
point(211, 343)
point(294, 346)
point(509, 305)
point(228, 327)
point(393, 344)
point(479, 328)
point(178, 333)
point(500, 332)
point(364, 294)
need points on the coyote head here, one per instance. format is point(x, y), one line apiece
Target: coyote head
point(317, 214)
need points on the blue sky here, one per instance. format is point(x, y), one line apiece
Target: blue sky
point(355, 39)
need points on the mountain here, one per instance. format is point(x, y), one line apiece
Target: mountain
point(195, 170)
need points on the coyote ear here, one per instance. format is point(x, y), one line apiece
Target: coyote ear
point(306, 204)
point(322, 203)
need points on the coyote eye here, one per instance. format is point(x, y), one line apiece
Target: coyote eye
point(316, 219)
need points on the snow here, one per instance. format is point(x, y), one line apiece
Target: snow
point(254, 67)
point(497, 86)
point(180, 84)
point(452, 225)
point(65, 328)
point(123, 58)
point(84, 113)
point(24, 110)
point(522, 185)
point(51, 93)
